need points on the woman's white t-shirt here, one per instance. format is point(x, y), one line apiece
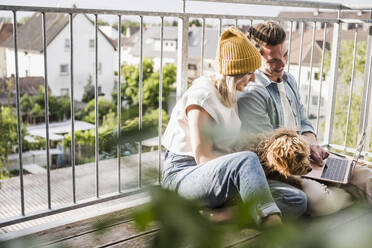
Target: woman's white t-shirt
point(225, 130)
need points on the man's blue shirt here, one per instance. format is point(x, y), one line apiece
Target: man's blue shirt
point(260, 107)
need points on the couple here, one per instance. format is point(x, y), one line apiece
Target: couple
point(208, 119)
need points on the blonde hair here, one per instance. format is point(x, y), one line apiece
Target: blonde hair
point(226, 86)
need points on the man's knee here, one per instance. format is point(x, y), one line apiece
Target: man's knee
point(291, 201)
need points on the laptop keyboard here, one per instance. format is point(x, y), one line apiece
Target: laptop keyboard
point(335, 169)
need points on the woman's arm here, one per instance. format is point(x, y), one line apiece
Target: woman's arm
point(201, 144)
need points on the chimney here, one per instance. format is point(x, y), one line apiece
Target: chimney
point(316, 12)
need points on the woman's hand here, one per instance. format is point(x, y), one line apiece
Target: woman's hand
point(201, 143)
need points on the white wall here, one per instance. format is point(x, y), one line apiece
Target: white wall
point(30, 63)
point(84, 60)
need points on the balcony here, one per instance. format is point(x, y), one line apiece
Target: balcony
point(337, 46)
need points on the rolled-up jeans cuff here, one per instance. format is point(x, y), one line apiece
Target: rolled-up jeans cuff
point(266, 210)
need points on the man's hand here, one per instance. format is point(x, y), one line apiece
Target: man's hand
point(317, 155)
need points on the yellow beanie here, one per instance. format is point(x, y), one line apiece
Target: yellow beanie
point(236, 54)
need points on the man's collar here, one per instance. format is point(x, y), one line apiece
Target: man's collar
point(265, 80)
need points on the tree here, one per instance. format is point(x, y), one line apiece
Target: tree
point(130, 89)
point(104, 107)
point(125, 24)
point(88, 91)
point(8, 136)
point(342, 96)
point(195, 22)
point(59, 107)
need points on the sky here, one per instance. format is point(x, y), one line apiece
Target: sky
point(165, 6)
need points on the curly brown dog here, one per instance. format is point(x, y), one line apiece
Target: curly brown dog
point(282, 154)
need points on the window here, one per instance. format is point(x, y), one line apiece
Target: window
point(65, 91)
point(317, 76)
point(91, 43)
point(64, 69)
point(191, 67)
point(100, 93)
point(67, 44)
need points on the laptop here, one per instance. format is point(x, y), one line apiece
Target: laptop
point(337, 168)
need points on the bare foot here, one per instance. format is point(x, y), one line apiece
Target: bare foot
point(221, 215)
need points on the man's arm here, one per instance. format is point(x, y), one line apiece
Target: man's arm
point(252, 107)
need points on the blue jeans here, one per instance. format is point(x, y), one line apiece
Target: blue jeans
point(219, 180)
point(290, 200)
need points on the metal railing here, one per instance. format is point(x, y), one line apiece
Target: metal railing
point(182, 55)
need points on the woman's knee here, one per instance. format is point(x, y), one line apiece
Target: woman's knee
point(245, 160)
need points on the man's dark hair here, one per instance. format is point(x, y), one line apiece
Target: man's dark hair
point(266, 33)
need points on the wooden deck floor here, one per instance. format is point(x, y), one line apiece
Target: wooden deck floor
point(121, 232)
point(35, 186)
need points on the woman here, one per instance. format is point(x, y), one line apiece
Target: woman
point(204, 124)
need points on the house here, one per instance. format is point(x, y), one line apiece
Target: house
point(6, 30)
point(31, 58)
point(27, 85)
point(152, 44)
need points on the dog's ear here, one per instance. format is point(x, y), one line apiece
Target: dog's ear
point(277, 157)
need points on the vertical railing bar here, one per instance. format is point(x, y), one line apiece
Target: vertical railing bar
point(365, 111)
point(46, 104)
point(140, 104)
point(367, 96)
point(119, 103)
point(202, 48)
point(300, 56)
point(289, 46)
point(96, 105)
point(219, 26)
point(251, 22)
point(236, 22)
point(351, 85)
point(311, 69)
point(160, 118)
point(332, 89)
point(321, 78)
point(19, 128)
point(72, 110)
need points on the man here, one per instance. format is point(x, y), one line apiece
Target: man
point(273, 101)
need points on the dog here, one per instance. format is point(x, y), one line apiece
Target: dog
point(283, 154)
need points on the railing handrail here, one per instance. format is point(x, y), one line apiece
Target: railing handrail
point(171, 14)
point(296, 3)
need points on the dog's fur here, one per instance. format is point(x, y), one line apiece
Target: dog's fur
point(283, 154)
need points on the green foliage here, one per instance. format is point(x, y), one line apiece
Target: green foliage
point(129, 133)
point(342, 96)
point(150, 100)
point(104, 106)
point(88, 91)
point(195, 22)
point(59, 107)
point(8, 136)
point(180, 223)
point(124, 25)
